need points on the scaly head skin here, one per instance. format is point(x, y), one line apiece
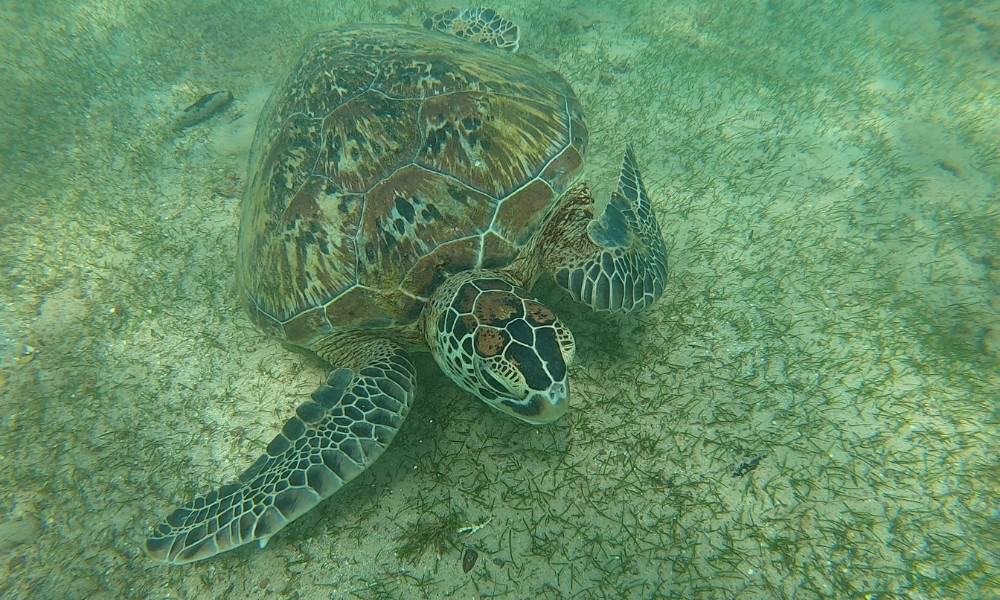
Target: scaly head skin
point(497, 343)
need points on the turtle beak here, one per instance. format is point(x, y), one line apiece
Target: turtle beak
point(539, 408)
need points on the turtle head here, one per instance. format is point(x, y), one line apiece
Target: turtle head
point(496, 342)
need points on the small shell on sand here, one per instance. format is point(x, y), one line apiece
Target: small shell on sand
point(469, 557)
point(204, 107)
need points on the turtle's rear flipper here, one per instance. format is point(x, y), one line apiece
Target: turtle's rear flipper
point(617, 262)
point(333, 437)
point(482, 25)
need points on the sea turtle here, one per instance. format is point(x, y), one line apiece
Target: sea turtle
point(407, 188)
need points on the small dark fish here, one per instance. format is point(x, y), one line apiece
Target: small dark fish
point(747, 466)
point(949, 167)
point(469, 558)
point(204, 107)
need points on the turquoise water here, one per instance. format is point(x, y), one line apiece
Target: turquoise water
point(810, 411)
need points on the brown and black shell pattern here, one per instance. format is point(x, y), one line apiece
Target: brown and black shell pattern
point(391, 157)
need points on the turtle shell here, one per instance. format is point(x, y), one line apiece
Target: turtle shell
point(391, 157)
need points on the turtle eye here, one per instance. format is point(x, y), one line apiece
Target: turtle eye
point(514, 394)
point(493, 378)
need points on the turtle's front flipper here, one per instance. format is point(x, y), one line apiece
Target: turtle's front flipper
point(333, 437)
point(613, 262)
